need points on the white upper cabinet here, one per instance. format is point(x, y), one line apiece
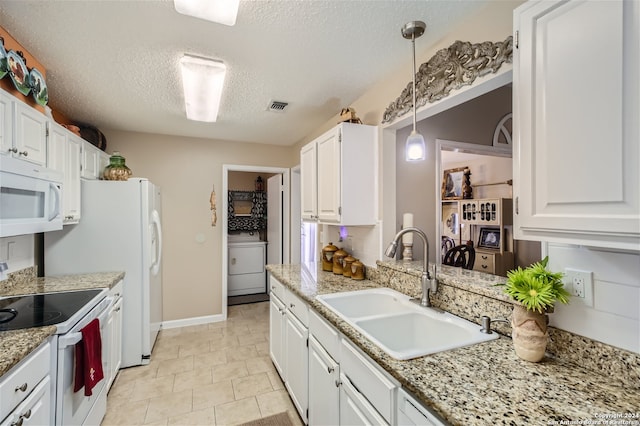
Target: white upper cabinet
point(64, 155)
point(343, 163)
point(309, 182)
point(23, 130)
point(30, 129)
point(576, 128)
point(90, 161)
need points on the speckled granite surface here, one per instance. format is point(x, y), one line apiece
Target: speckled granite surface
point(17, 344)
point(485, 383)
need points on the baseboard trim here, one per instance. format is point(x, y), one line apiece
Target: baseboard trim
point(186, 322)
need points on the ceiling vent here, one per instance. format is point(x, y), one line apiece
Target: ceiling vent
point(277, 106)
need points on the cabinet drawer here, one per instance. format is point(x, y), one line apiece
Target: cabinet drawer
point(368, 380)
point(325, 334)
point(23, 378)
point(297, 306)
point(485, 262)
point(276, 287)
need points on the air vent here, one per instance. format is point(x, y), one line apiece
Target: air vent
point(277, 106)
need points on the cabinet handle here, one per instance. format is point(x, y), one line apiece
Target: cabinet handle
point(19, 422)
point(330, 370)
point(27, 414)
point(484, 266)
point(233, 261)
point(22, 388)
point(14, 150)
point(25, 153)
point(338, 383)
point(485, 257)
point(291, 305)
point(118, 309)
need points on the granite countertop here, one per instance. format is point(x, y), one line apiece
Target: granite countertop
point(17, 344)
point(484, 383)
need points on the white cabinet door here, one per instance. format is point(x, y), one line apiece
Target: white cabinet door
point(90, 156)
point(576, 128)
point(114, 325)
point(30, 128)
point(276, 334)
point(324, 386)
point(329, 176)
point(297, 363)
point(35, 409)
point(6, 123)
point(103, 162)
point(355, 410)
point(309, 182)
point(57, 148)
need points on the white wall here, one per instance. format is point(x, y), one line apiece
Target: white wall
point(17, 252)
point(615, 316)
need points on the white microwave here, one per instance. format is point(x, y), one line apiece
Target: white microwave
point(30, 198)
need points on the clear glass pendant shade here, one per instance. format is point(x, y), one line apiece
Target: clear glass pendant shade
point(415, 148)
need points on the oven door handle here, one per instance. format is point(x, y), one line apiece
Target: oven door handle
point(70, 339)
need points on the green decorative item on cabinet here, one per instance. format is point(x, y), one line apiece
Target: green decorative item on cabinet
point(536, 289)
point(117, 169)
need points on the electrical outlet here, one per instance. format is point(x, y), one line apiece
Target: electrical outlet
point(580, 285)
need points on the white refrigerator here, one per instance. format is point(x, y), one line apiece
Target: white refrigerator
point(119, 230)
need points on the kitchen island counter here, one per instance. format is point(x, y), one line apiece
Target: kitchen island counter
point(484, 383)
point(17, 344)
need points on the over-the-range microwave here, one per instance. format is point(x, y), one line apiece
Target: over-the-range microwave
point(30, 198)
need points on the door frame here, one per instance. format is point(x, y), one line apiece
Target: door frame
point(286, 196)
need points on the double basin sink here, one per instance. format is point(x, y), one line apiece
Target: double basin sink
point(400, 327)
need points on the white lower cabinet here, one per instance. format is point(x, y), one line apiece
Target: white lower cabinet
point(355, 410)
point(288, 343)
point(324, 386)
point(114, 335)
point(25, 391)
point(411, 412)
point(297, 363)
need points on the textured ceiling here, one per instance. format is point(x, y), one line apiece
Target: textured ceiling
point(114, 64)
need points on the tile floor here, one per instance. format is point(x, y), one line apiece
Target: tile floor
point(211, 374)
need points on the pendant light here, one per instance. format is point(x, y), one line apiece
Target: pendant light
point(415, 149)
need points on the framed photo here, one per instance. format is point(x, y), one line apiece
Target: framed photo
point(489, 238)
point(452, 183)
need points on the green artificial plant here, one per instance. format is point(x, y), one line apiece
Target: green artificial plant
point(535, 287)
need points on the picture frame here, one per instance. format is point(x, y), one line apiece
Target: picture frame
point(453, 183)
point(489, 238)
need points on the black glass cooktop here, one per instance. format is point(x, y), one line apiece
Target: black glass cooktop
point(19, 312)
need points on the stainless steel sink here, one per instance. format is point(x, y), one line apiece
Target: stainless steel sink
point(401, 328)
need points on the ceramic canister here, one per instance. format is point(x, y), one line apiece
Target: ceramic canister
point(327, 257)
point(357, 270)
point(337, 261)
point(346, 265)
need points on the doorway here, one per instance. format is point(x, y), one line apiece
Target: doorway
point(255, 218)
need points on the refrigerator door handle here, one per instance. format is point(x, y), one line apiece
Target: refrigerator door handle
point(155, 220)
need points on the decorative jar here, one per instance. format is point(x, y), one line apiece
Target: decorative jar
point(117, 169)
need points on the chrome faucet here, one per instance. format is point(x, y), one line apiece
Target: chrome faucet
point(429, 283)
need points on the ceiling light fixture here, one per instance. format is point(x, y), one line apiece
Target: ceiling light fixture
point(220, 11)
point(415, 149)
point(202, 82)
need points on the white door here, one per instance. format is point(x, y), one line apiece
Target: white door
point(274, 219)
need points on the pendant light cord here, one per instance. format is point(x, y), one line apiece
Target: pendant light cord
point(413, 45)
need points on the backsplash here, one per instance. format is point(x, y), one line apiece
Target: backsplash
point(471, 294)
point(18, 277)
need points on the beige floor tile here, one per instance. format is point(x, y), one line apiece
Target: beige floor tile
point(200, 417)
point(237, 412)
point(229, 371)
point(174, 366)
point(194, 328)
point(223, 342)
point(274, 402)
point(256, 384)
point(132, 374)
point(168, 333)
point(260, 364)
point(121, 392)
point(241, 353)
point(210, 359)
point(129, 413)
point(276, 381)
point(151, 388)
point(194, 348)
point(251, 339)
point(263, 348)
point(171, 405)
point(192, 379)
point(212, 395)
point(168, 351)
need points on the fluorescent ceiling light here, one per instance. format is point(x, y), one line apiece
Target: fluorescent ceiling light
point(202, 81)
point(220, 11)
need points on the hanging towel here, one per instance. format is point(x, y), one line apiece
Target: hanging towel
point(88, 358)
